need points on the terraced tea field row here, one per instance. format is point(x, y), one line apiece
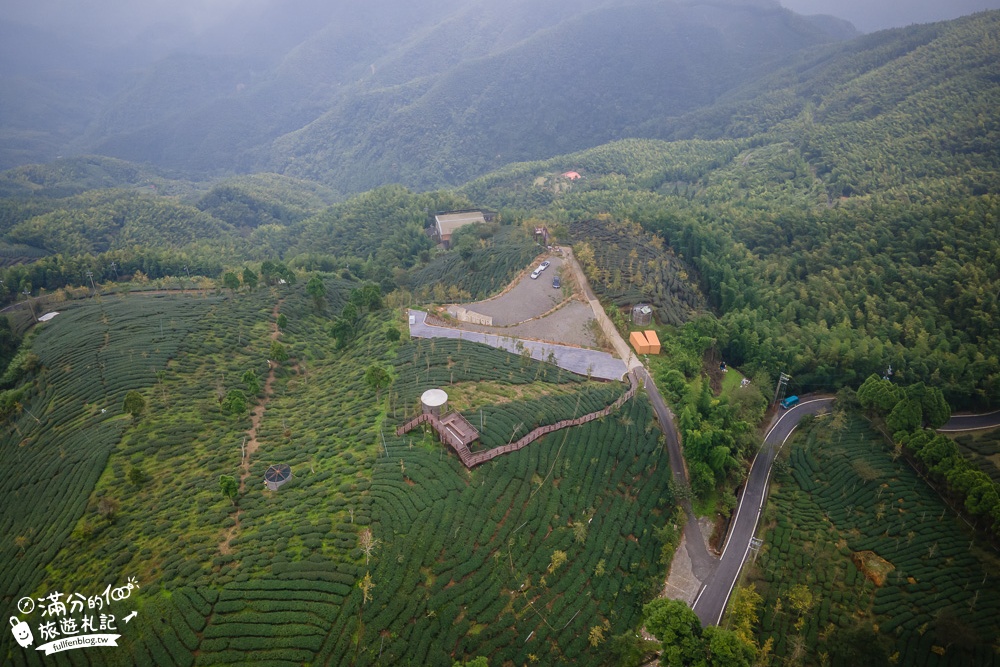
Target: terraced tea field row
point(871, 543)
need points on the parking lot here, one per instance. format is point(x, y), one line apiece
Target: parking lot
point(517, 312)
point(527, 299)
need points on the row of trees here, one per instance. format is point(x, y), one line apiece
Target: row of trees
point(911, 414)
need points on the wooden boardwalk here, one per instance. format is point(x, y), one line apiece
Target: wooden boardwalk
point(470, 460)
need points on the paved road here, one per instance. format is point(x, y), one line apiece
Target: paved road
point(702, 562)
point(598, 364)
point(959, 423)
point(611, 333)
point(712, 599)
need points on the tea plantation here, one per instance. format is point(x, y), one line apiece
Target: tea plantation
point(627, 265)
point(462, 563)
point(71, 419)
point(983, 449)
point(843, 500)
point(465, 567)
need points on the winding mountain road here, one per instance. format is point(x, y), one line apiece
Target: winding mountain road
point(703, 563)
point(718, 574)
point(714, 595)
point(959, 423)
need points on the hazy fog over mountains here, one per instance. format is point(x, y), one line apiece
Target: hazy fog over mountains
point(868, 16)
point(357, 94)
point(116, 22)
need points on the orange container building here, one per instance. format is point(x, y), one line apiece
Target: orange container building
point(653, 341)
point(638, 341)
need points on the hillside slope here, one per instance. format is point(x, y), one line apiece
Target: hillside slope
point(425, 96)
point(857, 233)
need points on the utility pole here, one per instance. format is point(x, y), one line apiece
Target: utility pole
point(779, 391)
point(90, 274)
point(27, 297)
point(114, 267)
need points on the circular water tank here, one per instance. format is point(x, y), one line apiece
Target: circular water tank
point(434, 401)
point(277, 475)
point(642, 314)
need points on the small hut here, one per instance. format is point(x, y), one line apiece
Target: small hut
point(642, 314)
point(434, 401)
point(277, 475)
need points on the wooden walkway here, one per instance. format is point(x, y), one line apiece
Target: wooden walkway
point(471, 460)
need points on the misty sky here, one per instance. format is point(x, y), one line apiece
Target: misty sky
point(119, 20)
point(871, 15)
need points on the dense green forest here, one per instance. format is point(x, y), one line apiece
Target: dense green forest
point(830, 246)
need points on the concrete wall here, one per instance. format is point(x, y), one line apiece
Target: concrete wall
point(465, 315)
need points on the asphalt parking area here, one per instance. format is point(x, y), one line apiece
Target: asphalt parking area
point(527, 299)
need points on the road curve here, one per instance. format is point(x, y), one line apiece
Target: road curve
point(959, 423)
point(714, 595)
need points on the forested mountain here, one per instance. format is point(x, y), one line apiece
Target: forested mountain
point(426, 95)
point(840, 221)
point(856, 229)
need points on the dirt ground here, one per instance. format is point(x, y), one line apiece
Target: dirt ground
point(682, 584)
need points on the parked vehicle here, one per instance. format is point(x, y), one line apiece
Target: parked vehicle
point(556, 282)
point(789, 402)
point(536, 273)
point(544, 265)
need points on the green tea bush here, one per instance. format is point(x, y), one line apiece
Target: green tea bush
point(938, 574)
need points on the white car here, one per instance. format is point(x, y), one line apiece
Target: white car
point(536, 273)
point(544, 265)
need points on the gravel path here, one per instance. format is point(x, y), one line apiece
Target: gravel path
point(578, 360)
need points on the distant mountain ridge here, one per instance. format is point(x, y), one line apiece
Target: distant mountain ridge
point(426, 96)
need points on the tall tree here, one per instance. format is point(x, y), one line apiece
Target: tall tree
point(278, 352)
point(317, 290)
point(235, 402)
point(678, 629)
point(231, 282)
point(251, 381)
point(250, 278)
point(342, 331)
point(377, 377)
point(229, 487)
point(134, 404)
